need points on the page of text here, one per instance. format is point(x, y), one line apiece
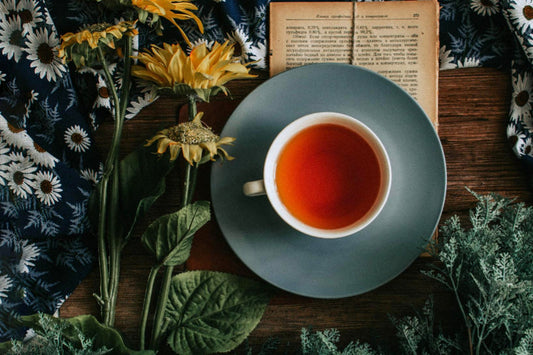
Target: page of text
point(398, 39)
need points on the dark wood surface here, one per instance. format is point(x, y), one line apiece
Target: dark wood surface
point(473, 105)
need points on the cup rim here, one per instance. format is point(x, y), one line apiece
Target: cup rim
point(279, 143)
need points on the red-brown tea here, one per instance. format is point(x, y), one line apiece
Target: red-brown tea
point(328, 176)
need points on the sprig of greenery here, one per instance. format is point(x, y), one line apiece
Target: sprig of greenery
point(489, 269)
point(82, 335)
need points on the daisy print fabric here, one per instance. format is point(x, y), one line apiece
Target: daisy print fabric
point(47, 169)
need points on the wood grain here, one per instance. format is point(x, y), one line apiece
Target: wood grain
point(473, 105)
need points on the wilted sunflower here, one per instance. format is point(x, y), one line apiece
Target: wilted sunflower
point(151, 10)
point(79, 47)
point(172, 10)
point(203, 72)
point(196, 141)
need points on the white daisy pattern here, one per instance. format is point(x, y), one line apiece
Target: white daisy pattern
point(470, 62)
point(242, 44)
point(8, 8)
point(30, 14)
point(90, 175)
point(5, 285)
point(258, 54)
point(141, 102)
point(41, 157)
point(47, 187)
point(102, 99)
point(77, 139)
point(516, 138)
point(42, 49)
point(521, 14)
point(522, 98)
point(11, 38)
point(485, 7)
point(446, 59)
point(4, 159)
point(15, 137)
point(30, 252)
point(19, 175)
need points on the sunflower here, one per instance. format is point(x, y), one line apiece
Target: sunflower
point(79, 47)
point(203, 72)
point(172, 10)
point(197, 142)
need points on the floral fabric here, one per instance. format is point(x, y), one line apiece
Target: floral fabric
point(48, 114)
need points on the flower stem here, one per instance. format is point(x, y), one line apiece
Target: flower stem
point(188, 189)
point(146, 304)
point(109, 243)
point(161, 307)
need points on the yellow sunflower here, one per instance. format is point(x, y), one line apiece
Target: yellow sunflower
point(203, 72)
point(172, 10)
point(196, 141)
point(79, 47)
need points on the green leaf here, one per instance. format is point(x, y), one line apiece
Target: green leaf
point(142, 182)
point(101, 335)
point(170, 237)
point(212, 312)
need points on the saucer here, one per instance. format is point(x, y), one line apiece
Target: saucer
point(331, 268)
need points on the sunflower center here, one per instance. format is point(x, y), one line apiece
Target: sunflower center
point(528, 12)
point(487, 3)
point(26, 16)
point(15, 38)
point(45, 53)
point(192, 133)
point(76, 138)
point(18, 178)
point(97, 27)
point(46, 186)
point(522, 98)
point(103, 92)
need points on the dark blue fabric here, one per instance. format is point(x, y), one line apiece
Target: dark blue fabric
point(48, 114)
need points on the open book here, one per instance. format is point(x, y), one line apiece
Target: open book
point(398, 39)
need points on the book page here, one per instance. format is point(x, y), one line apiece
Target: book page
point(397, 39)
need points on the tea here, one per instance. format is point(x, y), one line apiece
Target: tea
point(328, 176)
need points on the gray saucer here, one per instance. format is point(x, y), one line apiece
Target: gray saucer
point(346, 266)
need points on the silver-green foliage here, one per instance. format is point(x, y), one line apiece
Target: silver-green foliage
point(325, 343)
point(489, 269)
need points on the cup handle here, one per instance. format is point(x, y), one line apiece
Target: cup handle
point(254, 188)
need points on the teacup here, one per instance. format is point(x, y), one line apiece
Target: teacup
point(326, 174)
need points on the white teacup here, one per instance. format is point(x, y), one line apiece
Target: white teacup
point(326, 174)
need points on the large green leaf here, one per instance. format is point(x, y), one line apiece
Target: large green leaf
point(101, 335)
point(141, 183)
point(212, 311)
point(170, 237)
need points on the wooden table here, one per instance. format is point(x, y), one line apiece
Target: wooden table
point(473, 106)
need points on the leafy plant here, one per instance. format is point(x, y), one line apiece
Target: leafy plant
point(489, 269)
point(82, 335)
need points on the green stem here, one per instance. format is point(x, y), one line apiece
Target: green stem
point(161, 306)
point(107, 230)
point(102, 249)
point(146, 303)
point(114, 246)
point(463, 313)
point(188, 189)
